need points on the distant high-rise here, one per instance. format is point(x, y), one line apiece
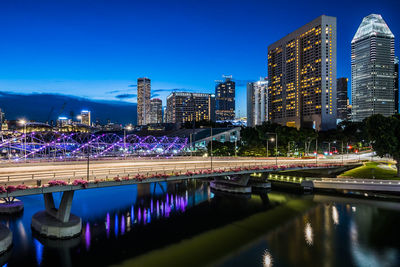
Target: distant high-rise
point(342, 99)
point(257, 102)
point(2, 116)
point(372, 69)
point(396, 85)
point(155, 111)
point(302, 76)
point(225, 99)
point(85, 117)
point(143, 101)
point(185, 107)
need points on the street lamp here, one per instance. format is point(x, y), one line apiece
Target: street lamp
point(276, 146)
point(23, 122)
point(211, 152)
point(126, 128)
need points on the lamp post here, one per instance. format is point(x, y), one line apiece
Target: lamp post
point(211, 151)
point(276, 146)
point(23, 122)
point(126, 128)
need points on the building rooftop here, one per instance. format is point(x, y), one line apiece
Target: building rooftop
point(372, 25)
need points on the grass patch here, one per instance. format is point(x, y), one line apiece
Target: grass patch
point(371, 170)
point(207, 247)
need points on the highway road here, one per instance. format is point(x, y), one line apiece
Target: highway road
point(29, 173)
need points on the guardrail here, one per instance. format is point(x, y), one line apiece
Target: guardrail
point(94, 174)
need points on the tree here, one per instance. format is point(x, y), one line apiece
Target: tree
point(384, 133)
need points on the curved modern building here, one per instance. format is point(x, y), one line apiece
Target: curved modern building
point(372, 69)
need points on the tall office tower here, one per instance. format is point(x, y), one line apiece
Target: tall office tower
point(257, 102)
point(225, 99)
point(143, 101)
point(302, 76)
point(372, 69)
point(2, 116)
point(185, 107)
point(165, 115)
point(396, 85)
point(155, 111)
point(85, 117)
point(342, 99)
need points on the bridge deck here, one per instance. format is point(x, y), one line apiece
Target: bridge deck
point(132, 180)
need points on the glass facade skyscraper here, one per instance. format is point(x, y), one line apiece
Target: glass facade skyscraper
point(342, 99)
point(143, 101)
point(396, 85)
point(257, 102)
point(372, 69)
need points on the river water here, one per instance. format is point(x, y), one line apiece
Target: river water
point(124, 222)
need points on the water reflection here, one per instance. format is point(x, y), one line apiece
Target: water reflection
point(87, 236)
point(267, 259)
point(335, 215)
point(38, 250)
point(334, 233)
point(308, 234)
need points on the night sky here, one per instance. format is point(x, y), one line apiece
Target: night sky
point(97, 49)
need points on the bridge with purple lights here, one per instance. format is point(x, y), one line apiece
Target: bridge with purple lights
point(59, 145)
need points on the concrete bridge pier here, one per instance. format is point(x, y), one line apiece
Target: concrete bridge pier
point(57, 223)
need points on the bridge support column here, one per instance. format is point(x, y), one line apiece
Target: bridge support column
point(57, 223)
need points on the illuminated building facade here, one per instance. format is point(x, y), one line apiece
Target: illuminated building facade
point(396, 85)
point(257, 102)
point(185, 107)
point(85, 117)
point(302, 76)
point(155, 111)
point(225, 99)
point(342, 99)
point(143, 101)
point(372, 69)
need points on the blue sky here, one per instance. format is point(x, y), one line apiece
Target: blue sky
point(97, 49)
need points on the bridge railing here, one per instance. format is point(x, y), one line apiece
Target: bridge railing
point(110, 173)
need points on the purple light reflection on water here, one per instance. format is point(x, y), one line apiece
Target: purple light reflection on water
point(108, 225)
point(122, 225)
point(151, 205)
point(144, 216)
point(158, 209)
point(139, 214)
point(87, 236)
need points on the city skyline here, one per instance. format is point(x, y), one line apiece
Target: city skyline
point(44, 65)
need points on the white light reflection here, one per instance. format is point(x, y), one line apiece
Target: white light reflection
point(308, 234)
point(267, 259)
point(335, 215)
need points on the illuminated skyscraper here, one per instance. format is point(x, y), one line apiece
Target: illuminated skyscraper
point(185, 107)
point(85, 117)
point(372, 69)
point(155, 111)
point(257, 102)
point(396, 85)
point(302, 76)
point(342, 99)
point(143, 101)
point(225, 99)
